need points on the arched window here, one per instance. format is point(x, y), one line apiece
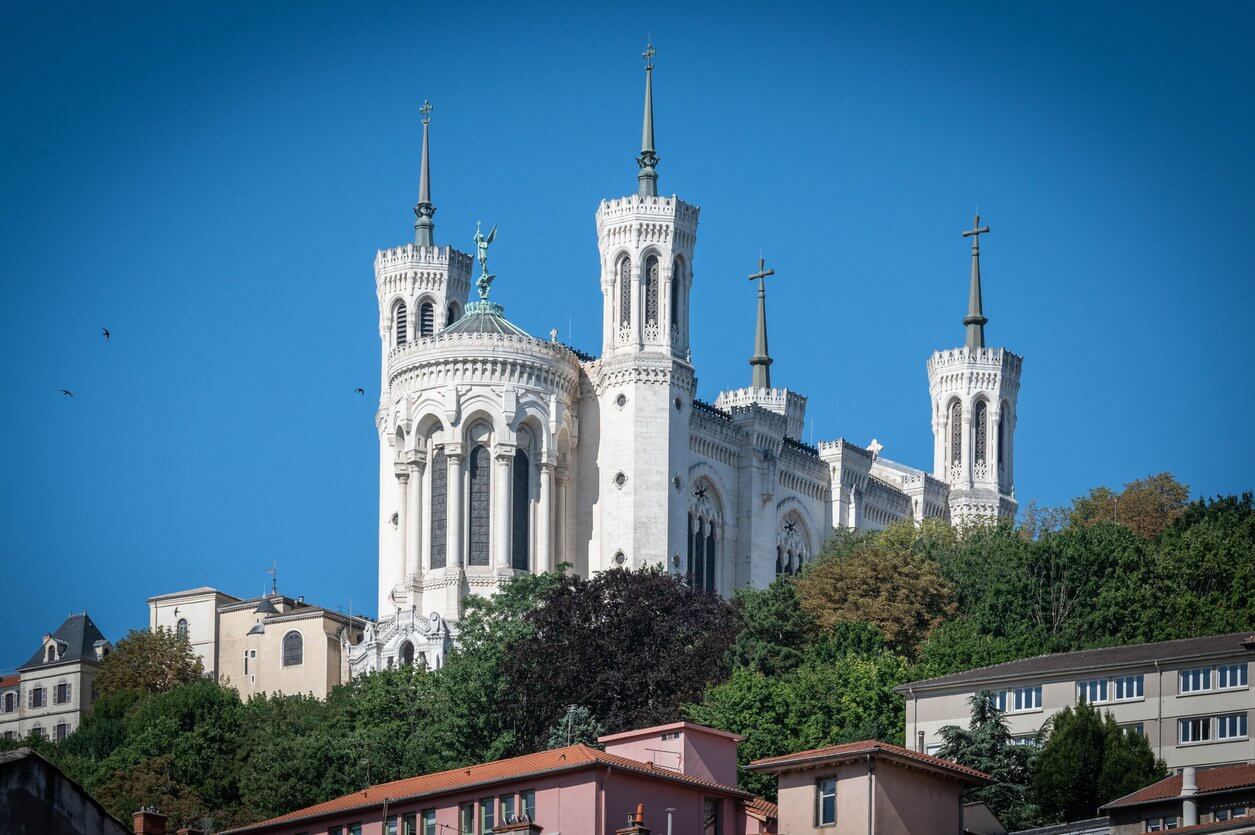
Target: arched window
point(625, 293)
point(293, 649)
point(451, 315)
point(439, 507)
point(180, 628)
point(701, 553)
point(407, 654)
point(956, 433)
point(477, 520)
point(980, 429)
point(426, 319)
point(677, 278)
point(52, 653)
point(521, 540)
point(651, 290)
point(399, 324)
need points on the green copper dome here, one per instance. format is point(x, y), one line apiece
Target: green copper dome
point(485, 317)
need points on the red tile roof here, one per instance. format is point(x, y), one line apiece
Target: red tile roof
point(1211, 780)
point(851, 750)
point(1236, 825)
point(762, 808)
point(10, 681)
point(570, 758)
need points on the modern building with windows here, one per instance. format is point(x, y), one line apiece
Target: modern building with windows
point(1191, 698)
point(52, 692)
point(1215, 800)
point(261, 645)
point(501, 453)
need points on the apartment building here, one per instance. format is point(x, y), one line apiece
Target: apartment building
point(52, 692)
point(1190, 697)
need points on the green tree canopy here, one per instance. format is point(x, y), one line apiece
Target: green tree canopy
point(986, 745)
point(153, 660)
point(1147, 506)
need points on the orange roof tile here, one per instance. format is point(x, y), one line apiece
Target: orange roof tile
point(1211, 780)
point(857, 749)
point(762, 808)
point(569, 758)
point(10, 681)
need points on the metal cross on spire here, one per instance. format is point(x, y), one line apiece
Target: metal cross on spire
point(426, 109)
point(273, 571)
point(424, 210)
point(761, 361)
point(975, 319)
point(647, 177)
point(648, 55)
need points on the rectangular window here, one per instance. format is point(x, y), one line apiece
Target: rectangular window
point(933, 750)
point(38, 732)
point(1232, 675)
point(487, 816)
point(245, 662)
point(506, 809)
point(711, 818)
point(429, 822)
point(63, 730)
point(466, 819)
point(409, 824)
point(1129, 687)
point(10, 735)
point(1028, 698)
point(1028, 739)
point(999, 699)
point(62, 694)
point(1231, 726)
point(670, 735)
point(37, 697)
point(1093, 691)
point(527, 800)
point(1196, 680)
point(1194, 730)
point(1134, 728)
point(355, 829)
point(390, 826)
point(336, 830)
point(826, 802)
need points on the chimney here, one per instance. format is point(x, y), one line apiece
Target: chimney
point(636, 823)
point(919, 742)
point(148, 821)
point(1189, 794)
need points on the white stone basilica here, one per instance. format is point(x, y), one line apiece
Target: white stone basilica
point(501, 453)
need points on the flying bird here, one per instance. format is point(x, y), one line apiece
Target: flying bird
point(67, 392)
point(105, 333)
point(359, 391)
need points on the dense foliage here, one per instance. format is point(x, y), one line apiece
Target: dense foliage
point(805, 662)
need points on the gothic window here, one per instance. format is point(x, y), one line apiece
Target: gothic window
point(478, 523)
point(426, 319)
point(625, 293)
point(701, 553)
point(980, 419)
point(399, 323)
point(519, 557)
point(677, 277)
point(180, 628)
point(407, 654)
point(293, 649)
point(451, 316)
point(439, 507)
point(956, 433)
point(651, 290)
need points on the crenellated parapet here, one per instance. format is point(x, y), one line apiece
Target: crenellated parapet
point(789, 404)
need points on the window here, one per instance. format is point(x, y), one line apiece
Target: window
point(336, 830)
point(1134, 728)
point(62, 694)
point(711, 818)
point(391, 825)
point(1093, 691)
point(478, 522)
point(37, 732)
point(1160, 824)
point(520, 559)
point(1024, 739)
point(407, 654)
point(10, 702)
point(245, 662)
point(399, 323)
point(1231, 726)
point(933, 750)
point(487, 816)
point(670, 735)
point(826, 802)
point(1195, 681)
point(37, 697)
point(52, 653)
point(1229, 813)
point(1028, 698)
point(1129, 687)
point(625, 293)
point(651, 290)
point(701, 552)
point(180, 628)
point(451, 315)
point(466, 819)
point(980, 429)
point(1231, 675)
point(439, 507)
point(506, 802)
point(1194, 730)
point(293, 649)
point(956, 433)
point(10, 735)
point(61, 731)
point(426, 319)
point(429, 822)
point(998, 699)
point(354, 829)
point(527, 800)
point(410, 826)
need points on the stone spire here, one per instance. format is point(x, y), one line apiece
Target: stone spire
point(975, 319)
point(761, 361)
point(424, 209)
point(647, 179)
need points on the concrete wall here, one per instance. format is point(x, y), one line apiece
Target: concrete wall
point(200, 609)
point(37, 799)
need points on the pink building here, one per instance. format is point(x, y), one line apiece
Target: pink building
point(681, 772)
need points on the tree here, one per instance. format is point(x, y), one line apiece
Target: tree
point(1147, 506)
point(631, 646)
point(901, 593)
point(775, 630)
point(986, 745)
point(156, 661)
point(577, 726)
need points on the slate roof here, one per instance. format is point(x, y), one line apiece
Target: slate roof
point(1210, 781)
point(77, 636)
point(853, 750)
point(1096, 659)
point(570, 758)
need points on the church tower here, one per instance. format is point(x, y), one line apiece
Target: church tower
point(974, 391)
point(421, 288)
point(645, 384)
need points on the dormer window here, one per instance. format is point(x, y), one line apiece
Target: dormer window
point(52, 652)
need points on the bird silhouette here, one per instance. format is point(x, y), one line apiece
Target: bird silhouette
point(105, 333)
point(67, 392)
point(359, 391)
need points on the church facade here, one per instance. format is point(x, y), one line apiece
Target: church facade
point(501, 453)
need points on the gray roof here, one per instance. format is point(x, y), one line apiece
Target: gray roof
point(77, 638)
point(485, 317)
point(1096, 659)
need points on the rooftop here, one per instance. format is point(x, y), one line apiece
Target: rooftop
point(856, 750)
point(1094, 659)
point(77, 638)
point(1210, 781)
point(672, 726)
point(485, 317)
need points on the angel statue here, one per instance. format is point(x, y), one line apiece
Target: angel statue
point(481, 250)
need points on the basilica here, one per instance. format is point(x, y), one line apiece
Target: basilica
point(502, 453)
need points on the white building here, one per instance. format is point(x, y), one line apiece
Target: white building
point(501, 453)
point(52, 692)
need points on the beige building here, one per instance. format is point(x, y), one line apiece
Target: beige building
point(1190, 698)
point(261, 645)
point(53, 691)
point(869, 787)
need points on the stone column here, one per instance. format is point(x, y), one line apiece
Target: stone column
point(502, 484)
point(562, 516)
point(453, 524)
point(965, 456)
point(402, 471)
point(417, 462)
point(993, 448)
point(544, 519)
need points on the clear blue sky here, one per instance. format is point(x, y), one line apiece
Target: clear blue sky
point(211, 182)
